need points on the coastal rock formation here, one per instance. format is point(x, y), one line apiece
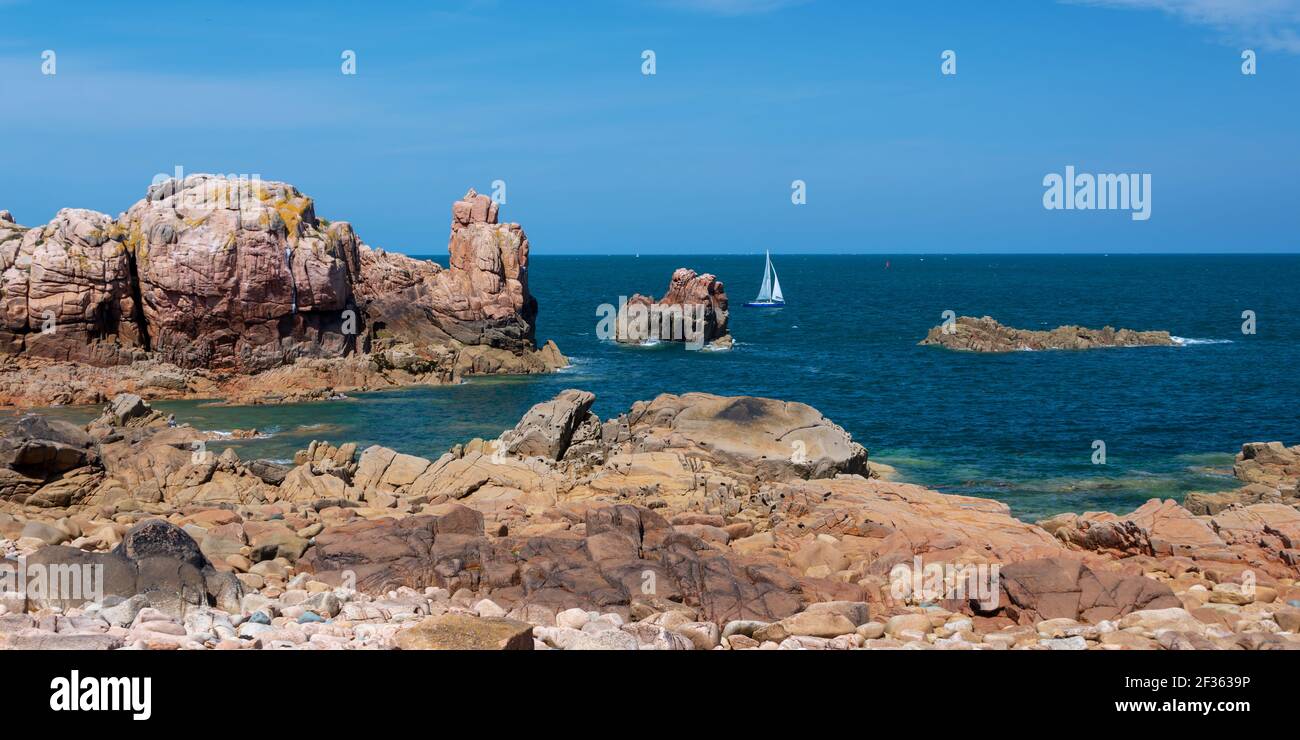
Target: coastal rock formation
point(481, 299)
point(684, 524)
point(694, 309)
point(548, 429)
point(68, 291)
point(760, 438)
point(1270, 472)
point(209, 281)
point(987, 335)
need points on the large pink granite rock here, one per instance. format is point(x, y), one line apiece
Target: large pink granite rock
point(481, 299)
point(241, 276)
point(67, 291)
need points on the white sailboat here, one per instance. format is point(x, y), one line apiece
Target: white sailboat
point(770, 294)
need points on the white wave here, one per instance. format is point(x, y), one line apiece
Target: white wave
point(1183, 341)
point(573, 366)
point(220, 434)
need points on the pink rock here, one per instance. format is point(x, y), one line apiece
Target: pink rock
point(238, 275)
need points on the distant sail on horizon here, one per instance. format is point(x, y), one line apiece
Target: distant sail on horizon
point(770, 293)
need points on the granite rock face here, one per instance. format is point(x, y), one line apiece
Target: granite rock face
point(694, 309)
point(237, 275)
point(689, 522)
point(987, 335)
point(68, 291)
point(481, 299)
point(229, 277)
point(548, 429)
point(763, 437)
point(1269, 472)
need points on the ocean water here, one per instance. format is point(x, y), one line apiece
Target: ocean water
point(1019, 427)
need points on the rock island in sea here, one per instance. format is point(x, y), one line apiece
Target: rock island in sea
point(987, 335)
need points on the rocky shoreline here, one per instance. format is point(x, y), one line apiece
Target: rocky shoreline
point(214, 287)
point(985, 334)
point(687, 522)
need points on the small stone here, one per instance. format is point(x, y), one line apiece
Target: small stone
point(1065, 643)
point(908, 623)
point(489, 608)
point(572, 618)
point(741, 642)
point(464, 632)
point(123, 614)
point(871, 630)
point(704, 635)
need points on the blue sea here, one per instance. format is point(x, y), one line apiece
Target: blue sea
point(1019, 427)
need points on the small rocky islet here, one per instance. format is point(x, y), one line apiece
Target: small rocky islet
point(685, 523)
point(643, 318)
point(985, 334)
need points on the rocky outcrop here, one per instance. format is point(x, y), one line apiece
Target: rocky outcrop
point(1270, 472)
point(549, 428)
point(46, 462)
point(481, 299)
point(758, 438)
point(157, 564)
point(685, 523)
point(209, 277)
point(694, 310)
point(987, 335)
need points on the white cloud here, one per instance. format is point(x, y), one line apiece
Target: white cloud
point(1266, 24)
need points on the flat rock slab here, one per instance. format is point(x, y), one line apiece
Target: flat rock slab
point(465, 632)
point(53, 641)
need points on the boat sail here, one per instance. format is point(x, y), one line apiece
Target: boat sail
point(770, 293)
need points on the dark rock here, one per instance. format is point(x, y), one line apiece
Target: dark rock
point(1048, 588)
point(160, 538)
point(270, 472)
point(156, 560)
point(71, 577)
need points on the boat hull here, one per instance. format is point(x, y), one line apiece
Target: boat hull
point(765, 304)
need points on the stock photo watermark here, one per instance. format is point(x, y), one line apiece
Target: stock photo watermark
point(1081, 191)
point(61, 583)
point(642, 322)
point(77, 693)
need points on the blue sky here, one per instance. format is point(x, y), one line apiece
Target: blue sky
point(749, 95)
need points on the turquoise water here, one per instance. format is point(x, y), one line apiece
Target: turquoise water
point(1018, 427)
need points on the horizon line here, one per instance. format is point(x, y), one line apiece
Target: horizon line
point(899, 254)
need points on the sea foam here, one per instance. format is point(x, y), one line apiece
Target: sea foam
point(1183, 341)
